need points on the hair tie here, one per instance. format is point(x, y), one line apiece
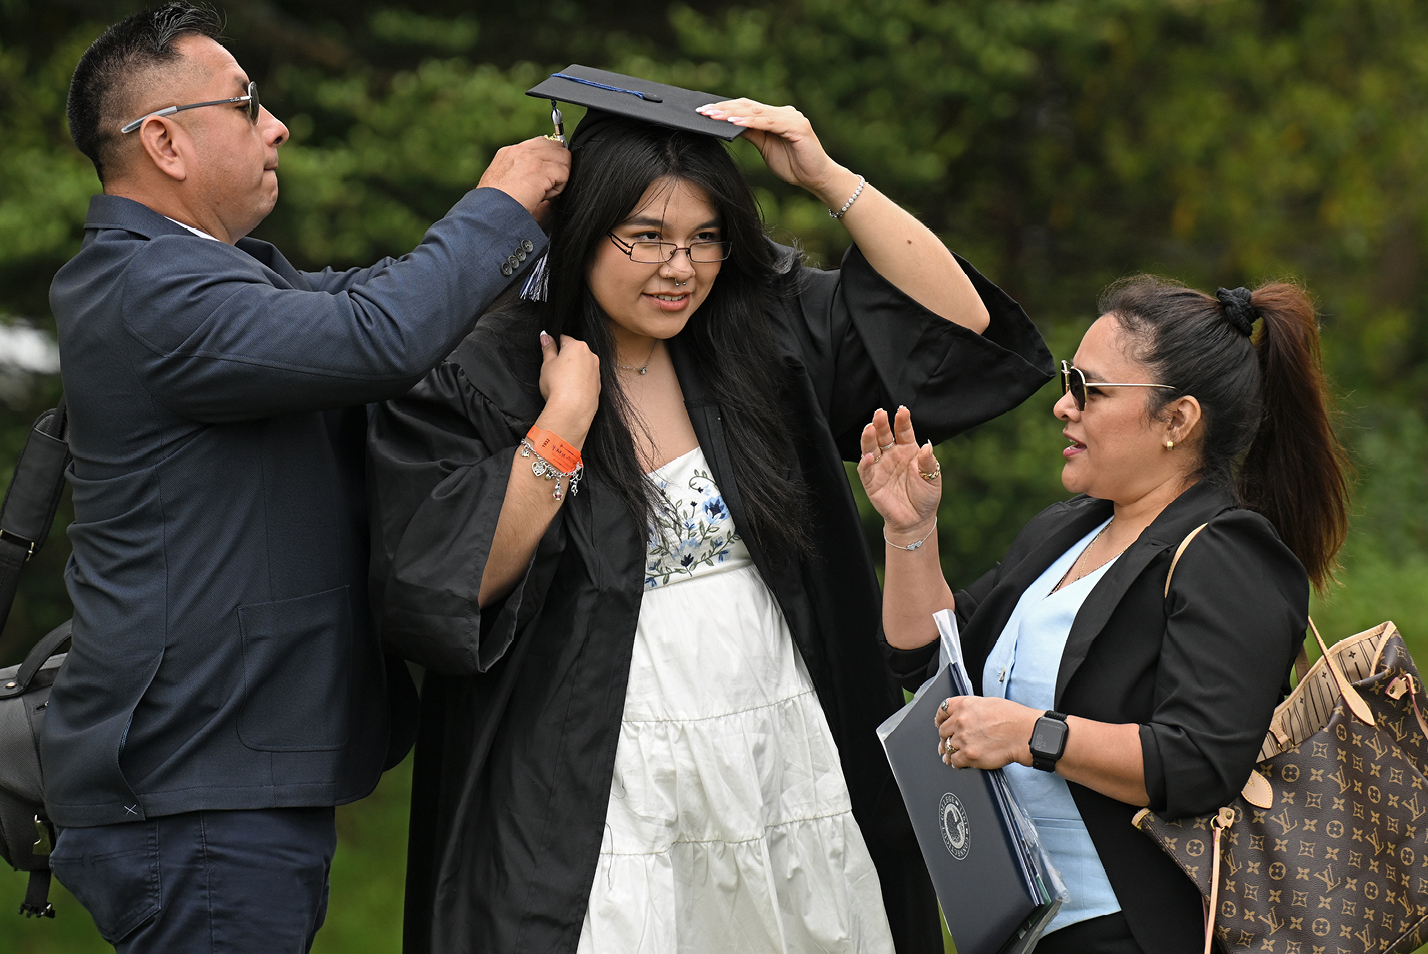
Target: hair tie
point(1238, 309)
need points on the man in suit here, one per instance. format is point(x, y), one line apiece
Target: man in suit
point(225, 688)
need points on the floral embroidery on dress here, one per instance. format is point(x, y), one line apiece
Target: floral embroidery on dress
point(697, 531)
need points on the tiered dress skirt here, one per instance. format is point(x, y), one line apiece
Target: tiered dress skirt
point(729, 825)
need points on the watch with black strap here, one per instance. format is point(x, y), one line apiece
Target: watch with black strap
point(1048, 741)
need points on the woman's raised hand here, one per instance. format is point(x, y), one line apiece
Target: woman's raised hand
point(787, 142)
point(570, 384)
point(903, 481)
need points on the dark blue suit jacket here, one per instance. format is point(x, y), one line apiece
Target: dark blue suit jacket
point(223, 657)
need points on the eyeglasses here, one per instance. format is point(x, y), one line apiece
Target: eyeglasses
point(1073, 382)
point(657, 253)
point(251, 99)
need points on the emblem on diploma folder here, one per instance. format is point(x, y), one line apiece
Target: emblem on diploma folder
point(999, 891)
point(956, 831)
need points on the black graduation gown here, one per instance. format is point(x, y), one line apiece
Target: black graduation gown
point(522, 702)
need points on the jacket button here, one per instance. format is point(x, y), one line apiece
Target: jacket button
point(513, 261)
point(528, 246)
point(506, 269)
point(521, 255)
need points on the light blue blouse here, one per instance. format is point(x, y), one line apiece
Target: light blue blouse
point(1022, 667)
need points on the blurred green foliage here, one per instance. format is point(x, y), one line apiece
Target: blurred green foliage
point(1058, 144)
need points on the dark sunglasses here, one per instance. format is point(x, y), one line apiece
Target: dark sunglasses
point(1073, 382)
point(251, 99)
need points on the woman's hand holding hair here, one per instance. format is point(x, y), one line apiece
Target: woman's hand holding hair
point(904, 484)
point(570, 384)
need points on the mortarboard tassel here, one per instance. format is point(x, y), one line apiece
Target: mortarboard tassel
point(537, 281)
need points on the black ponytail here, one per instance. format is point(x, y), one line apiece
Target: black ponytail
point(1267, 432)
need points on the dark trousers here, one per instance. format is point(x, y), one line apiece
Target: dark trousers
point(1109, 934)
point(204, 882)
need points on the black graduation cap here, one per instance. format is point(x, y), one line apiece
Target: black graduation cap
point(612, 95)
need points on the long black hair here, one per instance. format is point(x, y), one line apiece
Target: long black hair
point(728, 336)
point(1268, 433)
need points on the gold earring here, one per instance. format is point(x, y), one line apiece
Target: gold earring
point(1170, 445)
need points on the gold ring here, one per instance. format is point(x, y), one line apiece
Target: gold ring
point(888, 444)
point(932, 477)
point(943, 708)
point(877, 457)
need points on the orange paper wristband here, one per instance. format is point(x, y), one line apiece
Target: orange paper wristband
point(554, 449)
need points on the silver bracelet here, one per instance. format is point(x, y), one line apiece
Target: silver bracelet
point(912, 546)
point(849, 204)
point(544, 468)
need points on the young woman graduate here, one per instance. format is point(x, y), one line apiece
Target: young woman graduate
point(638, 581)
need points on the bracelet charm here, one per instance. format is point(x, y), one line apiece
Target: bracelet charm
point(912, 546)
point(544, 468)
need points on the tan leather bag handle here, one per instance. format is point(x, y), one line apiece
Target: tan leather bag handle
point(1180, 552)
point(1355, 702)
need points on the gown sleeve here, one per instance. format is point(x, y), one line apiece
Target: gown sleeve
point(440, 459)
point(866, 344)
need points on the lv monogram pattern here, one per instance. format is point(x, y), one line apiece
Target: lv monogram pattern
point(1339, 863)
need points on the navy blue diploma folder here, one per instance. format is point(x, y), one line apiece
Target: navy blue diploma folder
point(994, 883)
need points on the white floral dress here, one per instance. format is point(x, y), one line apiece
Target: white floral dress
point(729, 827)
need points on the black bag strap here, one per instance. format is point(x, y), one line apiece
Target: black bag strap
point(30, 503)
point(28, 510)
point(37, 895)
point(44, 649)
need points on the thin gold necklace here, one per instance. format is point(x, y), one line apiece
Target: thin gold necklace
point(648, 358)
point(1066, 579)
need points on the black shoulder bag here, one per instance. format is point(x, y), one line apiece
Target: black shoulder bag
point(26, 834)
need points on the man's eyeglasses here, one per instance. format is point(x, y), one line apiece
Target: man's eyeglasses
point(1073, 382)
point(251, 99)
point(657, 253)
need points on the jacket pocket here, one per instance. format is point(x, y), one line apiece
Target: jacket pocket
point(297, 672)
point(113, 870)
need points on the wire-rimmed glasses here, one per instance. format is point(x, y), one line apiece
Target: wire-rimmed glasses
point(251, 99)
point(657, 253)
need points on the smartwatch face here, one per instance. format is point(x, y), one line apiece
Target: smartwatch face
point(1049, 737)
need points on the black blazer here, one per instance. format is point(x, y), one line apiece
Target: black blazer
point(1200, 671)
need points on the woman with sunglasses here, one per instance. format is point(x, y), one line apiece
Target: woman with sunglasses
point(1099, 691)
point(652, 689)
